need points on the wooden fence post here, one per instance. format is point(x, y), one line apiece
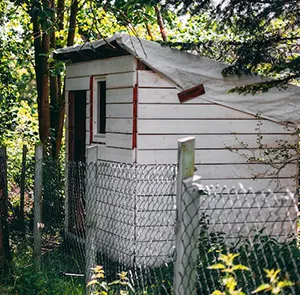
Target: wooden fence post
point(187, 221)
point(38, 225)
point(22, 191)
point(90, 227)
point(4, 234)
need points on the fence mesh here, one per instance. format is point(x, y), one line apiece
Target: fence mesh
point(233, 237)
point(123, 217)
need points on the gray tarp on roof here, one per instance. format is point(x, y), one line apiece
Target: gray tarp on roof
point(187, 70)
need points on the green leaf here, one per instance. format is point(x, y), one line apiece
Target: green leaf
point(217, 266)
point(92, 282)
point(240, 267)
point(262, 287)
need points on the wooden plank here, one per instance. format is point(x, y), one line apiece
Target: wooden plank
point(160, 248)
point(87, 137)
point(155, 233)
point(275, 185)
point(252, 215)
point(211, 141)
point(151, 218)
point(115, 154)
point(87, 124)
point(88, 110)
point(147, 126)
point(118, 125)
point(82, 83)
point(102, 67)
point(122, 95)
point(119, 110)
point(233, 199)
point(119, 140)
point(280, 229)
point(202, 156)
point(244, 171)
point(181, 111)
point(153, 261)
point(120, 80)
point(38, 225)
point(165, 96)
point(191, 93)
point(151, 79)
point(165, 202)
point(111, 184)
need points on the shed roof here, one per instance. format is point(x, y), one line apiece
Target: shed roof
point(187, 70)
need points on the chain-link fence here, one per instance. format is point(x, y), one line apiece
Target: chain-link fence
point(130, 218)
point(233, 238)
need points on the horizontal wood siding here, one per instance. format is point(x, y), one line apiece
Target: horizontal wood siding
point(120, 76)
point(211, 141)
point(81, 83)
point(108, 66)
point(162, 120)
point(243, 214)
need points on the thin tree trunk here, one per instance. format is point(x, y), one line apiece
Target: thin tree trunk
point(72, 24)
point(160, 23)
point(58, 102)
point(149, 31)
point(41, 49)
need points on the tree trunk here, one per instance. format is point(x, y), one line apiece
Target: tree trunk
point(57, 94)
point(160, 23)
point(41, 50)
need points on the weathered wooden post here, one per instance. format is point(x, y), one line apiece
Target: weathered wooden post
point(4, 235)
point(22, 191)
point(90, 182)
point(187, 222)
point(38, 224)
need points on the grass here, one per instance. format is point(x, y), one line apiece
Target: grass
point(24, 280)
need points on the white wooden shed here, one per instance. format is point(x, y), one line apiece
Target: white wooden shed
point(133, 99)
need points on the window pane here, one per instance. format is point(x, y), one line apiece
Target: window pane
point(102, 107)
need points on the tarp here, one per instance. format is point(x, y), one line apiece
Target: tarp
point(187, 70)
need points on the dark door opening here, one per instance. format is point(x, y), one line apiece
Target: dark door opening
point(77, 125)
point(76, 166)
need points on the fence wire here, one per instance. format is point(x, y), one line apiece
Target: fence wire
point(123, 218)
point(238, 234)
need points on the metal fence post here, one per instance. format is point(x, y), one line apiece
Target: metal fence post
point(91, 174)
point(4, 234)
point(187, 221)
point(38, 225)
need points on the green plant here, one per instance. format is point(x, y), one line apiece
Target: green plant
point(228, 267)
point(121, 286)
point(275, 285)
point(229, 281)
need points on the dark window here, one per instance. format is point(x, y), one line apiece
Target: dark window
point(101, 107)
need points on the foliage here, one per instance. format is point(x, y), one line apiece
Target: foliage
point(229, 282)
point(121, 286)
point(24, 280)
point(257, 36)
point(275, 158)
point(257, 253)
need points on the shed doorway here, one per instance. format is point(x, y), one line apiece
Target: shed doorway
point(76, 166)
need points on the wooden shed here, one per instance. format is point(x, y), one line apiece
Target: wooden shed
point(133, 99)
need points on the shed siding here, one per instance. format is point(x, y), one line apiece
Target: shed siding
point(109, 207)
point(162, 121)
point(120, 76)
